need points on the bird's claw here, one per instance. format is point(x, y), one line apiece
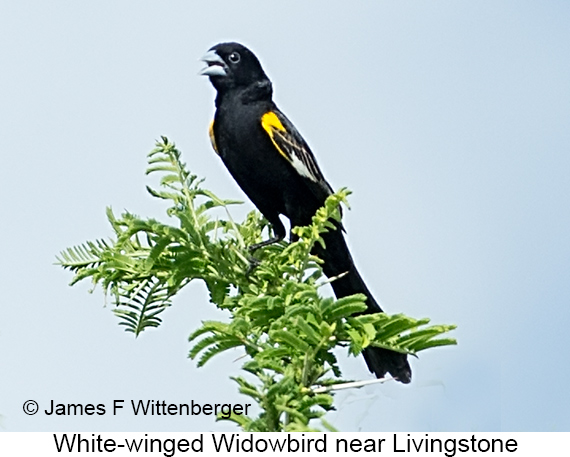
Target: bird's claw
point(253, 263)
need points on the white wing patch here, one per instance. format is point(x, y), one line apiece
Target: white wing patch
point(302, 168)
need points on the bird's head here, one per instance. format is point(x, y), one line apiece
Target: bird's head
point(232, 65)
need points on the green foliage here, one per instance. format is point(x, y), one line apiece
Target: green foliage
point(279, 317)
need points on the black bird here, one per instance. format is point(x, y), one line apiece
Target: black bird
point(274, 166)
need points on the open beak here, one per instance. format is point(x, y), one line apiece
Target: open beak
point(216, 65)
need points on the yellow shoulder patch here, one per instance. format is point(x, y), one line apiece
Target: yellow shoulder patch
point(270, 121)
point(212, 138)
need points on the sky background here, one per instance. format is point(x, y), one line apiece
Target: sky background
point(449, 121)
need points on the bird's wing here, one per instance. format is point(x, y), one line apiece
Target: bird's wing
point(291, 145)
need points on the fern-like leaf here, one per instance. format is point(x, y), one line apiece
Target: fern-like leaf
point(140, 303)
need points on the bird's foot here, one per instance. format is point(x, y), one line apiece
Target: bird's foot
point(253, 264)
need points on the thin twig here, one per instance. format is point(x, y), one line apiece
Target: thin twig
point(350, 385)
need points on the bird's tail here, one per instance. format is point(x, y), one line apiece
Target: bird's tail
point(337, 260)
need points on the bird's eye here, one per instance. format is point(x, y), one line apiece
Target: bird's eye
point(234, 57)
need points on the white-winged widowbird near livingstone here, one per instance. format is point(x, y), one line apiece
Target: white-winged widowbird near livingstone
point(275, 167)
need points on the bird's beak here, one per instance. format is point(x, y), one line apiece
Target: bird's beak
point(216, 65)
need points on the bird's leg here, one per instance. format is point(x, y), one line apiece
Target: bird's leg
point(253, 262)
point(278, 232)
point(256, 246)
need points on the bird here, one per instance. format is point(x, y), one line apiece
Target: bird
point(276, 169)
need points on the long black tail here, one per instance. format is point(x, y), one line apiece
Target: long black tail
point(337, 260)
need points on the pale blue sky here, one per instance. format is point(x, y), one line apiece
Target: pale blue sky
point(449, 121)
